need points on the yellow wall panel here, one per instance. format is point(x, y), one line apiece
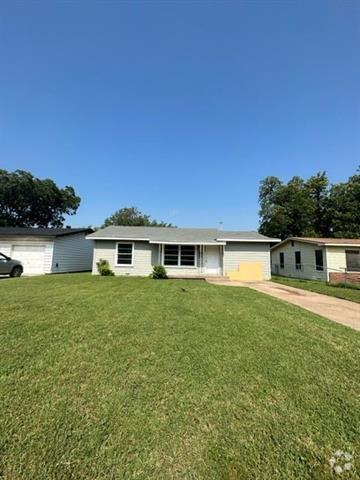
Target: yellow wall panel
point(247, 272)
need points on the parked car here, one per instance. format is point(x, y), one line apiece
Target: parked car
point(10, 266)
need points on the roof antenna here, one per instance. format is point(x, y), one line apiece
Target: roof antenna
point(221, 225)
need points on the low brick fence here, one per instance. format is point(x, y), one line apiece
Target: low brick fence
point(338, 277)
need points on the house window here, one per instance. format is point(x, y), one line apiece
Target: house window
point(319, 260)
point(187, 255)
point(292, 243)
point(282, 260)
point(352, 260)
point(125, 253)
point(298, 260)
point(171, 255)
point(179, 255)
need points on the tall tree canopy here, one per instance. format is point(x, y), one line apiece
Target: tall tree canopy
point(131, 216)
point(310, 207)
point(344, 207)
point(27, 201)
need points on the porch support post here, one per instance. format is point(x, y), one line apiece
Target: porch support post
point(222, 260)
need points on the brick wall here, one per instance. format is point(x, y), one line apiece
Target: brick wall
point(353, 277)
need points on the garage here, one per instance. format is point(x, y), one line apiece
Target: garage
point(31, 256)
point(48, 250)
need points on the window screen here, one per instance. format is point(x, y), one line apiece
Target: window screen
point(282, 260)
point(179, 255)
point(319, 260)
point(187, 255)
point(171, 255)
point(353, 260)
point(124, 253)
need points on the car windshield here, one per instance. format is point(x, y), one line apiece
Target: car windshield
point(3, 258)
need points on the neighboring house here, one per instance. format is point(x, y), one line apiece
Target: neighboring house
point(48, 250)
point(327, 259)
point(185, 252)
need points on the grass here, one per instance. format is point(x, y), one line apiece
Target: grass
point(341, 290)
point(132, 378)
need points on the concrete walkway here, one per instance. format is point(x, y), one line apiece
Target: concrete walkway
point(341, 311)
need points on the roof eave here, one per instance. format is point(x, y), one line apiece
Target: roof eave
point(280, 244)
point(316, 243)
point(156, 242)
point(261, 240)
point(340, 244)
point(295, 239)
point(85, 230)
point(90, 237)
point(180, 242)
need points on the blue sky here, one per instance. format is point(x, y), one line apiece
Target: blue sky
point(179, 108)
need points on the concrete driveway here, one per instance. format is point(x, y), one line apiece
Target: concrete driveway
point(341, 311)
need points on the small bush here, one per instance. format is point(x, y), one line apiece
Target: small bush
point(159, 272)
point(104, 268)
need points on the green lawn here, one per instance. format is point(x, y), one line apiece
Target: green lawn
point(107, 378)
point(348, 293)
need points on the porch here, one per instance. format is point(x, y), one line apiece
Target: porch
point(184, 260)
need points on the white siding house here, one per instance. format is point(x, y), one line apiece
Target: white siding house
point(325, 259)
point(143, 256)
point(237, 253)
point(48, 250)
point(185, 252)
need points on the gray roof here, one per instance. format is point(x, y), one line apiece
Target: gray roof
point(43, 232)
point(172, 234)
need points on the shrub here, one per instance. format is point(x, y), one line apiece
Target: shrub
point(104, 268)
point(159, 272)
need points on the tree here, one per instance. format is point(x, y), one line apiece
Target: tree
point(317, 188)
point(272, 215)
point(131, 216)
point(344, 208)
point(310, 208)
point(284, 208)
point(27, 201)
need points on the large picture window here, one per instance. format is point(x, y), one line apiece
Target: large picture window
point(352, 260)
point(125, 253)
point(179, 255)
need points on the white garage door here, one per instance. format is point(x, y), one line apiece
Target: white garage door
point(5, 249)
point(31, 256)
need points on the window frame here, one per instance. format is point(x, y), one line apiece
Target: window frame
point(353, 252)
point(179, 245)
point(175, 253)
point(282, 263)
point(124, 242)
point(318, 267)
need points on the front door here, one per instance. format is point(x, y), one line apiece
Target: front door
point(212, 260)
